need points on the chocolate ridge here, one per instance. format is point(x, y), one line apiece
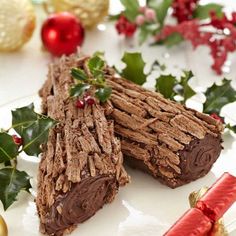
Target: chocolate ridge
point(196, 160)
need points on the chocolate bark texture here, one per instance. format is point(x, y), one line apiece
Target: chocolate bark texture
point(161, 137)
point(81, 167)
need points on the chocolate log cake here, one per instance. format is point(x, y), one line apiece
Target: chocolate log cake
point(161, 137)
point(81, 167)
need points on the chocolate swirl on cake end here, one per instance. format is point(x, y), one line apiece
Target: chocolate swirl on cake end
point(198, 157)
point(79, 204)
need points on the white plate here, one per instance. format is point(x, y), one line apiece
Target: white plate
point(143, 208)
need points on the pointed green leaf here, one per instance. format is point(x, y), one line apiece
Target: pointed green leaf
point(35, 135)
point(231, 127)
point(188, 92)
point(203, 11)
point(96, 65)
point(12, 182)
point(78, 74)
point(78, 89)
point(165, 85)
point(131, 9)
point(134, 70)
point(217, 96)
point(103, 93)
point(8, 149)
point(23, 117)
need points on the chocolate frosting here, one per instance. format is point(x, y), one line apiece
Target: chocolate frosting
point(79, 204)
point(196, 160)
point(198, 157)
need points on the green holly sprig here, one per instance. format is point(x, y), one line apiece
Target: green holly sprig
point(94, 80)
point(32, 131)
point(161, 8)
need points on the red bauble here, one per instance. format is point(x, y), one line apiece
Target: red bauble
point(62, 33)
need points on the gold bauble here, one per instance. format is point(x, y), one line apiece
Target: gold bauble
point(17, 23)
point(90, 12)
point(3, 227)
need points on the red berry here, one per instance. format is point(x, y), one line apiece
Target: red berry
point(89, 100)
point(80, 104)
point(124, 26)
point(17, 140)
point(216, 117)
point(183, 9)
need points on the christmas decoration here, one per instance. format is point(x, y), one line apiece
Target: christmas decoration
point(90, 12)
point(200, 24)
point(90, 82)
point(3, 227)
point(219, 227)
point(32, 130)
point(124, 26)
point(208, 207)
point(17, 24)
point(62, 33)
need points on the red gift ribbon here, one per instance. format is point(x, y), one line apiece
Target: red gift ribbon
point(210, 208)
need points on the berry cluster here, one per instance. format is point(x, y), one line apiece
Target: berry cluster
point(183, 9)
point(124, 26)
point(221, 38)
point(87, 99)
point(147, 15)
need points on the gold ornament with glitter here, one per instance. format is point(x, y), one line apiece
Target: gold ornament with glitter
point(17, 23)
point(90, 12)
point(219, 227)
point(3, 227)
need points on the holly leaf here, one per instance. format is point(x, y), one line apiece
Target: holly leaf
point(203, 11)
point(78, 74)
point(22, 117)
point(78, 89)
point(103, 93)
point(36, 134)
point(230, 127)
point(217, 96)
point(160, 8)
point(8, 149)
point(96, 65)
point(187, 91)
point(165, 85)
point(134, 67)
point(12, 182)
point(131, 9)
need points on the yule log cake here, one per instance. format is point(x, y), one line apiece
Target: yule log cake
point(161, 137)
point(81, 167)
